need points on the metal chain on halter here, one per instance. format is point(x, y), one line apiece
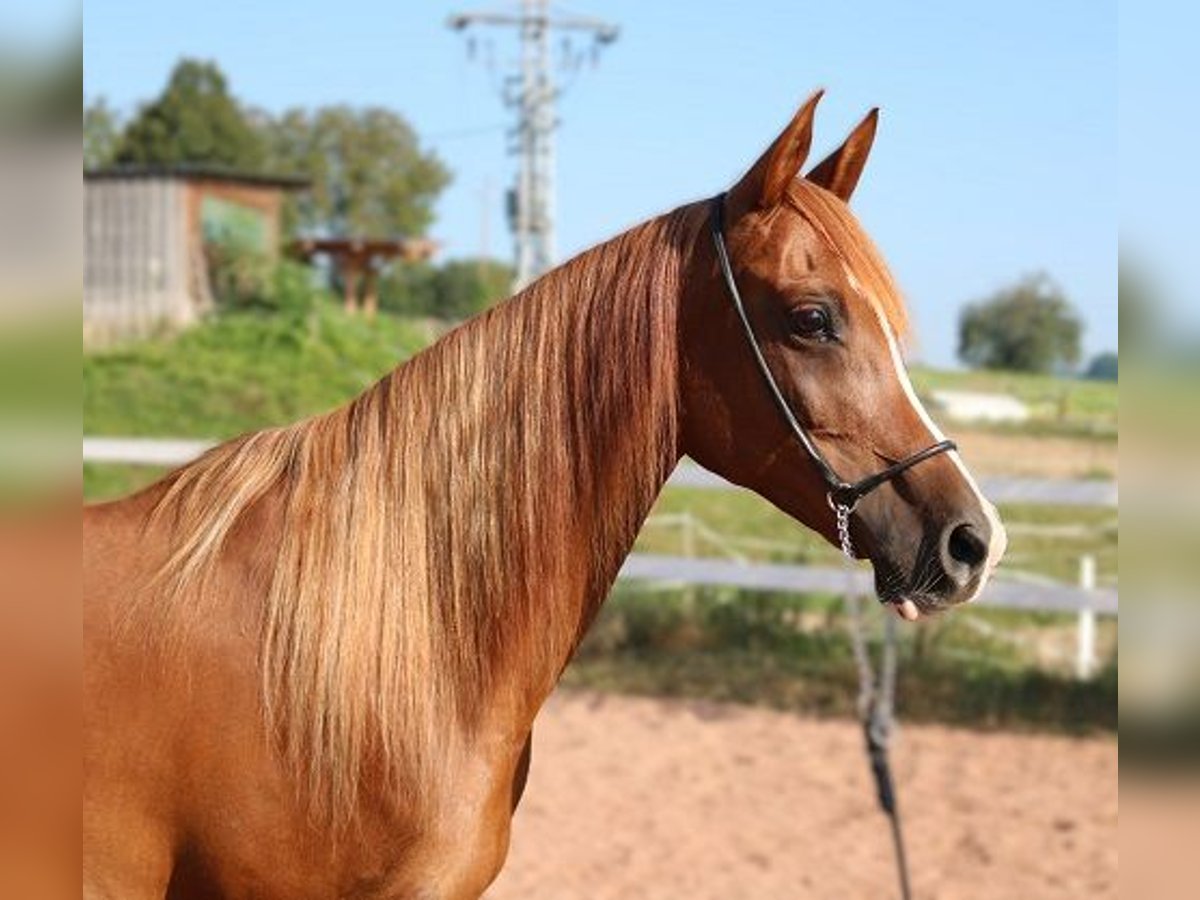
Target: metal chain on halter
point(843, 512)
point(876, 702)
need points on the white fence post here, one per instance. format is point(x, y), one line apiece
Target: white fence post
point(689, 551)
point(1085, 656)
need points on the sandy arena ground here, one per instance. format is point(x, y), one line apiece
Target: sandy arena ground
point(636, 798)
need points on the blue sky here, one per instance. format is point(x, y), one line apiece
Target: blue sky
point(996, 155)
point(1159, 132)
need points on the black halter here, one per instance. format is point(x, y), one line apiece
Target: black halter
point(843, 496)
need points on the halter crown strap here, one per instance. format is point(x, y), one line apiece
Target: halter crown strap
point(843, 495)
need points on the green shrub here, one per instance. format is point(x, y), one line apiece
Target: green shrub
point(241, 274)
point(456, 290)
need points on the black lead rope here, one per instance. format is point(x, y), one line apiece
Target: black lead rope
point(875, 698)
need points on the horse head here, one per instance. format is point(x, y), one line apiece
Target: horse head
point(827, 320)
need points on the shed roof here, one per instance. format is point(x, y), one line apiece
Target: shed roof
point(198, 172)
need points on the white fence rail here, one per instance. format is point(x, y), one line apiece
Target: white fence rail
point(713, 571)
point(143, 451)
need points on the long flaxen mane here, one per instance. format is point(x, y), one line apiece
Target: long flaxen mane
point(429, 523)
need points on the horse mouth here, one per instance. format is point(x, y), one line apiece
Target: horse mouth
point(913, 605)
point(906, 608)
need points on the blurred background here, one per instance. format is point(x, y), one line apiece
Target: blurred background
point(281, 202)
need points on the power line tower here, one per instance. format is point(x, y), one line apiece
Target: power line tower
point(531, 91)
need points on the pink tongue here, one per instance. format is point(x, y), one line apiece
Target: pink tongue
point(907, 610)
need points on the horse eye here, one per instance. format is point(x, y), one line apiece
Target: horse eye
point(811, 320)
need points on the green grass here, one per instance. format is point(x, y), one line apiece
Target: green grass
point(240, 371)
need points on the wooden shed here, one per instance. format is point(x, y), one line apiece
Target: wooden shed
point(145, 230)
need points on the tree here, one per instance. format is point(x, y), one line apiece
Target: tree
point(1029, 327)
point(101, 131)
point(1138, 314)
point(40, 93)
point(1103, 367)
point(408, 289)
point(370, 176)
point(195, 120)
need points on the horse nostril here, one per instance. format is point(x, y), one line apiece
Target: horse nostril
point(967, 546)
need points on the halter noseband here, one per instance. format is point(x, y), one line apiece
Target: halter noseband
point(843, 496)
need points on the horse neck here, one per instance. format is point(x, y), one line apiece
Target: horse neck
point(444, 539)
point(563, 433)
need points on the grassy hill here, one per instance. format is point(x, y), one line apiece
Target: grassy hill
point(241, 371)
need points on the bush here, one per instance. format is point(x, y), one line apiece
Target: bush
point(457, 290)
point(1103, 367)
point(1027, 327)
point(464, 287)
point(293, 289)
point(409, 290)
point(239, 273)
point(244, 277)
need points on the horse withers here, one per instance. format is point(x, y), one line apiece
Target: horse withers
point(314, 656)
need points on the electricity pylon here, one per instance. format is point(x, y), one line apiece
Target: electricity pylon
point(532, 93)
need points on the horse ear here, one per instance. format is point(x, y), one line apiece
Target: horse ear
point(763, 186)
point(839, 172)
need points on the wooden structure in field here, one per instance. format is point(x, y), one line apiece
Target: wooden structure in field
point(359, 261)
point(145, 234)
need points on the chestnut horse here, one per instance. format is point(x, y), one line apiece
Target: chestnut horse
point(314, 656)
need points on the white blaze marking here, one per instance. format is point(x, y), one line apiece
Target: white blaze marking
point(999, 540)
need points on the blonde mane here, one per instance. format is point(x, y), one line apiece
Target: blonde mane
point(428, 524)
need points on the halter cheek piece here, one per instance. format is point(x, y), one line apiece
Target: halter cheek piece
point(843, 496)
